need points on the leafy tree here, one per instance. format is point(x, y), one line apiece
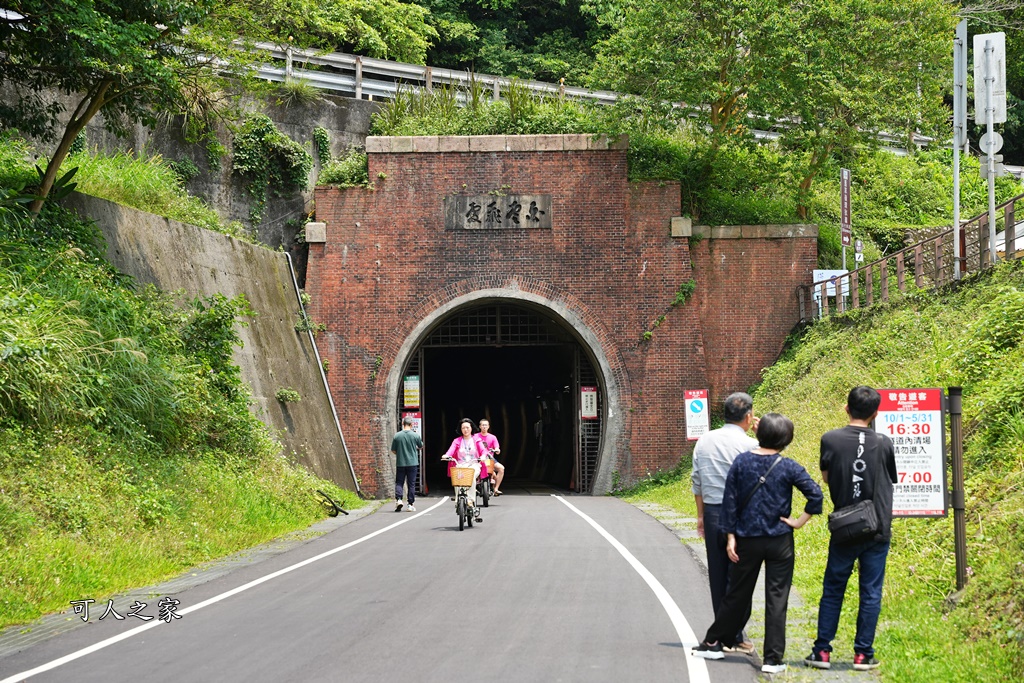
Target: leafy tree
point(834, 72)
point(132, 59)
point(387, 29)
point(844, 71)
point(522, 38)
point(126, 59)
point(710, 54)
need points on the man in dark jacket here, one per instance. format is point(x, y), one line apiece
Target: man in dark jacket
point(857, 464)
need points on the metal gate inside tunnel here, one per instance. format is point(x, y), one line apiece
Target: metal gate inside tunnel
point(528, 375)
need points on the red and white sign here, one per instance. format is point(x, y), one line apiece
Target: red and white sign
point(912, 418)
point(698, 420)
point(588, 403)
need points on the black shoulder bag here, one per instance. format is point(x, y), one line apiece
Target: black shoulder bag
point(857, 522)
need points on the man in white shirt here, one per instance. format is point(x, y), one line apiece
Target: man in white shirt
point(712, 458)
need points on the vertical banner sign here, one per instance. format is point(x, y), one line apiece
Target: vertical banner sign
point(411, 391)
point(846, 215)
point(697, 414)
point(588, 403)
point(912, 418)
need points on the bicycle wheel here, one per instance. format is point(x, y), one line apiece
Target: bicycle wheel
point(460, 507)
point(485, 492)
point(469, 516)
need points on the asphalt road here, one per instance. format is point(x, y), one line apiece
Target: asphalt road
point(548, 588)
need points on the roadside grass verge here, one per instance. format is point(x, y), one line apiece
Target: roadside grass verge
point(128, 452)
point(971, 336)
point(84, 514)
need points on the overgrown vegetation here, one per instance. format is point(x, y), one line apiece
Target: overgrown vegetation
point(970, 336)
point(151, 184)
point(348, 171)
point(270, 161)
point(127, 449)
point(735, 182)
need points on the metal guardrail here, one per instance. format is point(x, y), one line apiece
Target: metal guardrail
point(930, 264)
point(371, 78)
point(380, 78)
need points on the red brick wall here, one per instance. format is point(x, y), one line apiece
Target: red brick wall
point(748, 303)
point(388, 262)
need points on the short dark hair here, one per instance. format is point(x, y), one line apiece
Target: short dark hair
point(736, 406)
point(408, 420)
point(863, 402)
point(774, 431)
point(467, 421)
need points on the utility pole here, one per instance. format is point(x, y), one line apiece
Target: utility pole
point(959, 131)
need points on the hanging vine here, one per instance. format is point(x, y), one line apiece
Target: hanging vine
point(267, 158)
point(322, 145)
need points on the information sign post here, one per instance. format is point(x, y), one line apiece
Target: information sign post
point(697, 415)
point(588, 403)
point(913, 419)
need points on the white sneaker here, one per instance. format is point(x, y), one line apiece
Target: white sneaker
point(411, 508)
point(398, 506)
point(773, 668)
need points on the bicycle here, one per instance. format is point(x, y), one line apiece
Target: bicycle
point(462, 480)
point(483, 485)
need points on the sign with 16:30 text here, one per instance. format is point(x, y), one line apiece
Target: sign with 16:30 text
point(912, 418)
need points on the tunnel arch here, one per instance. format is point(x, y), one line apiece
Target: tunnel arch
point(583, 329)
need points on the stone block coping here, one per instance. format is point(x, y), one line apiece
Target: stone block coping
point(748, 232)
point(316, 233)
point(402, 144)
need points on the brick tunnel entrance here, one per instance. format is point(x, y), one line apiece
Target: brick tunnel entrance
point(526, 373)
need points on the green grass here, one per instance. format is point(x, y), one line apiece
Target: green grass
point(972, 336)
point(128, 452)
point(149, 184)
point(86, 515)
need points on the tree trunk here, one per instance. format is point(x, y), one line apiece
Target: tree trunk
point(91, 104)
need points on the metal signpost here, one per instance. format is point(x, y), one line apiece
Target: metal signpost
point(914, 420)
point(990, 109)
point(959, 131)
point(697, 420)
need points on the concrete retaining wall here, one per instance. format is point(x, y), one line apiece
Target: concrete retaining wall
point(172, 256)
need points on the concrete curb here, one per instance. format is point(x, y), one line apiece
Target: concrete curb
point(17, 638)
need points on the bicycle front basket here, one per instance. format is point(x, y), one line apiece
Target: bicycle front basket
point(462, 476)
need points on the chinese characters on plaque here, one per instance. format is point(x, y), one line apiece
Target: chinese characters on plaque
point(494, 212)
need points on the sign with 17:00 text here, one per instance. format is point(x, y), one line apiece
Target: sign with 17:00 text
point(912, 418)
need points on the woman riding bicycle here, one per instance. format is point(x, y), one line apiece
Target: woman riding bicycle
point(466, 451)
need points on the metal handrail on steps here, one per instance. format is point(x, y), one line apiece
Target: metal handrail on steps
point(931, 261)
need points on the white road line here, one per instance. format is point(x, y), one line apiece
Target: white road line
point(217, 598)
point(696, 667)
